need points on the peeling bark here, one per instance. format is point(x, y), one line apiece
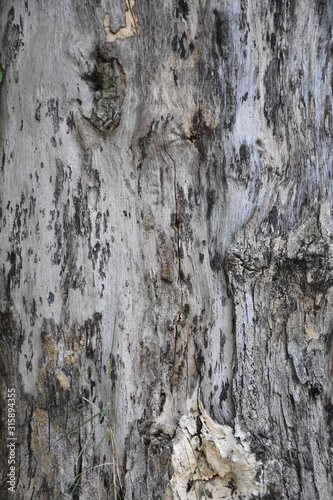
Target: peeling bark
point(172, 162)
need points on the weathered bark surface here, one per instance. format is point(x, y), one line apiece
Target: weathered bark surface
point(173, 158)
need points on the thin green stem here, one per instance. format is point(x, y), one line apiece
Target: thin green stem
point(199, 471)
point(195, 490)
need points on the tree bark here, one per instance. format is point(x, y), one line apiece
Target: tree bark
point(166, 167)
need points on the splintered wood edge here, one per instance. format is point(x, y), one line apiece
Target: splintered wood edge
point(130, 29)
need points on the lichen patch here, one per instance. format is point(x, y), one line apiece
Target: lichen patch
point(51, 349)
point(108, 99)
point(63, 380)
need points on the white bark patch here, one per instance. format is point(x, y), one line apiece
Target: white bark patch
point(212, 458)
point(131, 25)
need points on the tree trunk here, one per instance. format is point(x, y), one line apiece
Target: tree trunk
point(167, 168)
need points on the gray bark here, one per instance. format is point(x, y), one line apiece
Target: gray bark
point(168, 163)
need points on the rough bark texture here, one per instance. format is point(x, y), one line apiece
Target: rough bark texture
point(172, 159)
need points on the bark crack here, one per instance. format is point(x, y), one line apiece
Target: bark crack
point(177, 225)
point(78, 471)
